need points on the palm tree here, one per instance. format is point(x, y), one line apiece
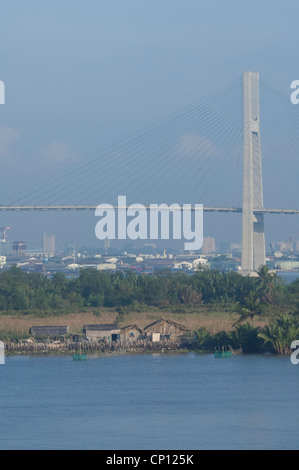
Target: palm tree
point(246, 337)
point(281, 333)
point(250, 307)
point(267, 283)
point(202, 336)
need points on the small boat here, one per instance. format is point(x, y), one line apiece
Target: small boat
point(79, 356)
point(223, 353)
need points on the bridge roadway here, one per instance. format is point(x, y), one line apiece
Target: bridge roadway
point(93, 208)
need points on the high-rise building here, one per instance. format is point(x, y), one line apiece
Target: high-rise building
point(235, 248)
point(48, 244)
point(19, 249)
point(208, 246)
point(106, 245)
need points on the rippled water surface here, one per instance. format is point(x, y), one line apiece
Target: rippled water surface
point(184, 401)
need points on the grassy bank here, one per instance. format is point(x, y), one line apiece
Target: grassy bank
point(213, 330)
point(213, 319)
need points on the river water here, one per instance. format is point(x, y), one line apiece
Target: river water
point(151, 402)
point(289, 276)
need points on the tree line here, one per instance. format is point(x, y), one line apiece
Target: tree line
point(251, 296)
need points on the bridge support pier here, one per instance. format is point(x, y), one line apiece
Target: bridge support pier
point(253, 237)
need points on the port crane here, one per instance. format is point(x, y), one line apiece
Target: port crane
point(3, 234)
point(3, 238)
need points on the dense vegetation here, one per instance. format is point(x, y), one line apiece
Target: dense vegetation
point(276, 337)
point(263, 295)
point(20, 291)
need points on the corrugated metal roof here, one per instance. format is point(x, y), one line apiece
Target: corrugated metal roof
point(49, 330)
point(102, 327)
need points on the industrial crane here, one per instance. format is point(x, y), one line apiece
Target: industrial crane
point(3, 238)
point(3, 234)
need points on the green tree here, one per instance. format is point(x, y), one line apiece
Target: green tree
point(250, 307)
point(247, 337)
point(280, 333)
point(267, 283)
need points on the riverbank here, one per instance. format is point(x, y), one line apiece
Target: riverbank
point(192, 333)
point(13, 348)
point(214, 319)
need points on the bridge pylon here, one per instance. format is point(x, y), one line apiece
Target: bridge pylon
point(253, 235)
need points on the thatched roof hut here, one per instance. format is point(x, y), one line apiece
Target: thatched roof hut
point(130, 333)
point(167, 328)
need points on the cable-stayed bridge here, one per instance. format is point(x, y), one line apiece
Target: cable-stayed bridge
point(71, 208)
point(181, 159)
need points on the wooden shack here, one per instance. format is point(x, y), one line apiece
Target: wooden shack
point(167, 329)
point(104, 331)
point(49, 331)
point(130, 333)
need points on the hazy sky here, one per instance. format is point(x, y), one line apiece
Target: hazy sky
point(80, 75)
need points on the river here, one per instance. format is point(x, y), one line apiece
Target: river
point(289, 276)
point(150, 402)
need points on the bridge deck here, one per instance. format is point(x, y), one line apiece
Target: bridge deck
point(93, 207)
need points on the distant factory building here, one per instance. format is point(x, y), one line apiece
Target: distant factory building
point(48, 243)
point(183, 265)
point(287, 265)
point(106, 267)
point(19, 249)
point(199, 263)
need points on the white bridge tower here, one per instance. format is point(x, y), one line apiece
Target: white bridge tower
point(253, 236)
